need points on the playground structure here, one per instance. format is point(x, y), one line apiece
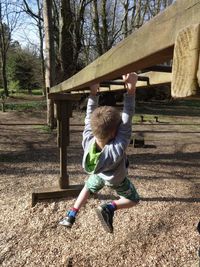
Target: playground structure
point(172, 34)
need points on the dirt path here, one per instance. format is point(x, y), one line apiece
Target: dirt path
point(161, 231)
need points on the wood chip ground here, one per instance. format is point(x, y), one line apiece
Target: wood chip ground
point(159, 232)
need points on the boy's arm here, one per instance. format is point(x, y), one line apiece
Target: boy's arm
point(130, 81)
point(91, 106)
point(124, 133)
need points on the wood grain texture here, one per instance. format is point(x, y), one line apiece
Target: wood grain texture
point(186, 62)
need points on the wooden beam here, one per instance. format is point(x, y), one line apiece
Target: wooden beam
point(158, 68)
point(64, 97)
point(152, 44)
point(154, 78)
point(148, 79)
point(55, 192)
point(120, 82)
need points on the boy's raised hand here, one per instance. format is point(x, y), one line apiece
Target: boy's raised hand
point(130, 80)
point(94, 88)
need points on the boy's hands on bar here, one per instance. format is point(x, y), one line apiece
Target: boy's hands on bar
point(130, 80)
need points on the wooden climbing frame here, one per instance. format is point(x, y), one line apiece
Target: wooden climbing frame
point(150, 45)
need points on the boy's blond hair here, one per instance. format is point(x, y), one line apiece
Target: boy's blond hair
point(105, 120)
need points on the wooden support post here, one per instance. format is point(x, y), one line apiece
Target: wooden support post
point(3, 106)
point(64, 189)
point(142, 118)
point(3, 103)
point(156, 118)
point(63, 140)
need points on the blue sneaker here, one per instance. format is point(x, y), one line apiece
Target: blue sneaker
point(68, 221)
point(105, 215)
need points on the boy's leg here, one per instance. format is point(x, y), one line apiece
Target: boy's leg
point(124, 203)
point(82, 198)
point(128, 194)
point(128, 198)
point(69, 220)
point(92, 185)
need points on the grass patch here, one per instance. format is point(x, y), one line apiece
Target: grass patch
point(172, 108)
point(37, 92)
point(188, 103)
point(43, 129)
point(24, 93)
point(26, 106)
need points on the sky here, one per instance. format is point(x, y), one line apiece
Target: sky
point(26, 31)
point(27, 34)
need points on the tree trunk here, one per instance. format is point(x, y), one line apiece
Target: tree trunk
point(50, 58)
point(42, 62)
point(96, 27)
point(3, 53)
point(126, 7)
point(4, 75)
point(104, 26)
point(66, 41)
point(40, 29)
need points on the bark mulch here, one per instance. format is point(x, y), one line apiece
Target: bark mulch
point(160, 231)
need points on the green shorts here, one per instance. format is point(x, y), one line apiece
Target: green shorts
point(126, 189)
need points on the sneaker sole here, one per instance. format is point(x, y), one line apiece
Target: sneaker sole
point(69, 225)
point(101, 218)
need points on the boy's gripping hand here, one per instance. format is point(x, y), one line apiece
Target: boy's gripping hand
point(130, 80)
point(94, 89)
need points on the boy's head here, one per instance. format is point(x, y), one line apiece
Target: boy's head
point(105, 122)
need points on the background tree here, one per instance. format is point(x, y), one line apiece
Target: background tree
point(23, 69)
point(107, 24)
point(37, 16)
point(71, 24)
point(9, 18)
point(50, 58)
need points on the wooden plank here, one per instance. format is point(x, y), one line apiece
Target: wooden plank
point(120, 82)
point(155, 78)
point(150, 45)
point(158, 68)
point(64, 97)
point(55, 192)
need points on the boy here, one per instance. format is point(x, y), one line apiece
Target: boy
point(105, 138)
